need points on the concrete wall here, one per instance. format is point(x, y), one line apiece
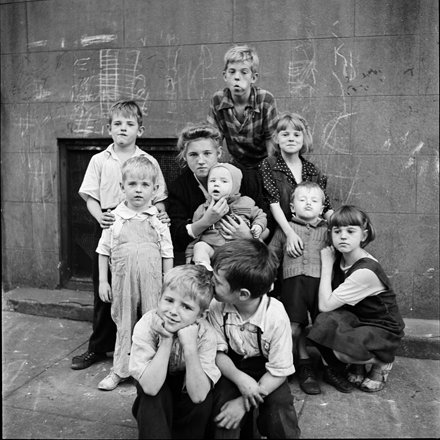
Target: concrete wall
point(363, 72)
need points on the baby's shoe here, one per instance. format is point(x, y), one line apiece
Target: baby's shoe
point(376, 378)
point(356, 374)
point(111, 381)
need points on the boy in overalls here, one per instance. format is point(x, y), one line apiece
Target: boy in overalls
point(254, 344)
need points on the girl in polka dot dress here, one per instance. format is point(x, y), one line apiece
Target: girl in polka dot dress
point(284, 169)
point(281, 172)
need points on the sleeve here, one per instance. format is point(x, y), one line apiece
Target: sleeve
point(166, 245)
point(180, 215)
point(144, 346)
point(212, 117)
point(276, 243)
point(271, 116)
point(258, 216)
point(104, 244)
point(215, 318)
point(280, 358)
point(207, 346)
point(358, 286)
point(91, 183)
point(270, 190)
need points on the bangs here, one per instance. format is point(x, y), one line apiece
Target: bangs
point(346, 216)
point(285, 121)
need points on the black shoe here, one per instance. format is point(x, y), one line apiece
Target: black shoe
point(336, 379)
point(86, 359)
point(307, 379)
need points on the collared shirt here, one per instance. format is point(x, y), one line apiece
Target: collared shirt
point(314, 238)
point(103, 177)
point(124, 213)
point(245, 141)
point(272, 192)
point(276, 335)
point(146, 343)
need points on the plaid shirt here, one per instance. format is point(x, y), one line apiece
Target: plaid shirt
point(246, 141)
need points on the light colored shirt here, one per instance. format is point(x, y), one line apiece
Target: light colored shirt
point(358, 286)
point(276, 335)
point(103, 177)
point(124, 213)
point(146, 342)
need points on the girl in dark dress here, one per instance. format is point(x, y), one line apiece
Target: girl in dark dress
point(362, 324)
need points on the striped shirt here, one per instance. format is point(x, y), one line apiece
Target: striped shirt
point(246, 141)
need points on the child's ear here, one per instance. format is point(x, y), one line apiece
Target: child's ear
point(244, 295)
point(155, 188)
point(254, 77)
point(292, 209)
point(122, 186)
point(224, 75)
point(364, 235)
point(109, 129)
point(141, 130)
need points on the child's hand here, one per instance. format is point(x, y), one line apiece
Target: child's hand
point(328, 256)
point(256, 231)
point(231, 414)
point(107, 219)
point(158, 326)
point(253, 394)
point(188, 336)
point(294, 245)
point(234, 229)
point(216, 210)
point(105, 292)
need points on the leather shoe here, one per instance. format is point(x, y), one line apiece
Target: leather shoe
point(86, 359)
point(337, 380)
point(307, 379)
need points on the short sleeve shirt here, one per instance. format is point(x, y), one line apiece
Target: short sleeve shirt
point(271, 191)
point(146, 342)
point(276, 336)
point(103, 177)
point(245, 141)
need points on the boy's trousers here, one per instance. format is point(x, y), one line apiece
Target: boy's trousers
point(277, 416)
point(171, 413)
point(103, 337)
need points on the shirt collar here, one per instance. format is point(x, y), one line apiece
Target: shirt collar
point(297, 220)
point(227, 101)
point(308, 167)
point(126, 213)
point(258, 318)
point(111, 152)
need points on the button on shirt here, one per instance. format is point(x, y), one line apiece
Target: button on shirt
point(103, 177)
point(146, 342)
point(122, 214)
point(276, 337)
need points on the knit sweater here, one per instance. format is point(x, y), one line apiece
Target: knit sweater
point(314, 238)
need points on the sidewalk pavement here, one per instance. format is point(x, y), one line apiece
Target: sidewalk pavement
point(44, 398)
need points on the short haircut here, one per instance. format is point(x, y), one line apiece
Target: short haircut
point(242, 53)
point(191, 280)
point(348, 215)
point(299, 124)
point(310, 186)
point(247, 264)
point(128, 109)
point(141, 165)
point(193, 132)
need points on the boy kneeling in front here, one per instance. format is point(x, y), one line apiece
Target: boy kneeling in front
point(173, 358)
point(254, 344)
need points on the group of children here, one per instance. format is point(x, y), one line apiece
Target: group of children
point(207, 342)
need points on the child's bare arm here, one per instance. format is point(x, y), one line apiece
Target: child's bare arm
point(167, 264)
point(270, 383)
point(197, 382)
point(250, 389)
point(104, 290)
point(105, 219)
point(156, 372)
point(294, 244)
